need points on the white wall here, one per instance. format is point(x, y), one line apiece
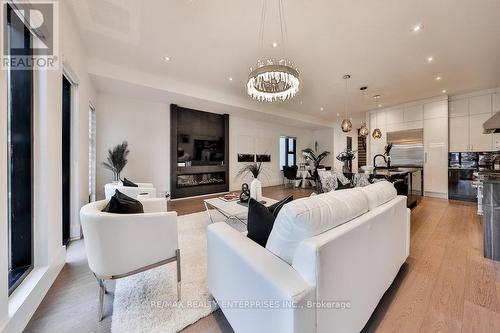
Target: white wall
point(325, 140)
point(146, 127)
point(251, 136)
point(49, 254)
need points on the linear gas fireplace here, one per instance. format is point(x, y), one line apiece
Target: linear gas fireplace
point(200, 179)
point(199, 152)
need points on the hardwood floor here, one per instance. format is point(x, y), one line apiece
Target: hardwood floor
point(446, 285)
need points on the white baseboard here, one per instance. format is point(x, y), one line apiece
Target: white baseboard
point(436, 195)
point(27, 297)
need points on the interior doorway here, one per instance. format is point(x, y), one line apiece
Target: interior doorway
point(66, 159)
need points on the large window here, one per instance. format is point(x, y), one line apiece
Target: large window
point(20, 154)
point(288, 151)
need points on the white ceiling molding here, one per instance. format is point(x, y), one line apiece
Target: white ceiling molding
point(101, 69)
point(210, 41)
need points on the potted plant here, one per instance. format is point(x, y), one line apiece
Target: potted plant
point(117, 159)
point(346, 157)
point(255, 169)
point(310, 155)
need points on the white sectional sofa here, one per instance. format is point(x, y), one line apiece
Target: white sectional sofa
point(327, 263)
point(144, 190)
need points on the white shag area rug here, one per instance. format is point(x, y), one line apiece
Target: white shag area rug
point(147, 302)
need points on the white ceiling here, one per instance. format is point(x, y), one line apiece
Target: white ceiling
point(210, 41)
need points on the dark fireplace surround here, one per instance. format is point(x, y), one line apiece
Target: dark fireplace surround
point(199, 152)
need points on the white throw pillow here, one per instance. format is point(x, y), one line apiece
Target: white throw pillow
point(341, 177)
point(328, 180)
point(379, 193)
point(361, 180)
point(311, 216)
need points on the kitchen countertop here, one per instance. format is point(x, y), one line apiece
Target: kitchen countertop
point(393, 171)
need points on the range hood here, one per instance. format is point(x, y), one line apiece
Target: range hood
point(492, 125)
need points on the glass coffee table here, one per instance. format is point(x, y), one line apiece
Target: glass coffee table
point(231, 210)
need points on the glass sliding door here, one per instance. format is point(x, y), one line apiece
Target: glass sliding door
point(20, 154)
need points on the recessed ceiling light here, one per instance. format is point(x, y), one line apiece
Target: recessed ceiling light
point(417, 27)
point(380, 105)
point(275, 44)
point(300, 102)
point(438, 78)
point(338, 114)
point(167, 58)
point(430, 59)
point(230, 79)
point(444, 91)
point(321, 108)
point(376, 96)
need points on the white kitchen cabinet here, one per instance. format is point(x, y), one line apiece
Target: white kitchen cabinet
point(467, 116)
point(478, 140)
point(413, 113)
point(436, 110)
point(480, 104)
point(459, 108)
point(405, 126)
point(496, 141)
point(459, 134)
point(436, 155)
point(394, 116)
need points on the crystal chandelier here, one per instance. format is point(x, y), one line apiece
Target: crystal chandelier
point(346, 123)
point(377, 133)
point(273, 80)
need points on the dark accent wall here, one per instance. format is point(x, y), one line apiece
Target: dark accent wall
point(201, 175)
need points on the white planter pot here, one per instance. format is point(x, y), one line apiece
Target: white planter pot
point(256, 189)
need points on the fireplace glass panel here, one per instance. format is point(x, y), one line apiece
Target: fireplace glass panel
point(190, 180)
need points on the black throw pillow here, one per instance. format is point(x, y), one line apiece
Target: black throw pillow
point(275, 208)
point(127, 182)
point(261, 219)
point(340, 186)
point(123, 204)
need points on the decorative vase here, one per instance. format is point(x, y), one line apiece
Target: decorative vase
point(256, 190)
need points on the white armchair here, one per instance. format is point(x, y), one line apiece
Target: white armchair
point(144, 190)
point(120, 245)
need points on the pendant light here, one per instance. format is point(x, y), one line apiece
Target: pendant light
point(346, 123)
point(363, 130)
point(377, 133)
point(273, 80)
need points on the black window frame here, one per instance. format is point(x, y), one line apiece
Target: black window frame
point(289, 151)
point(22, 233)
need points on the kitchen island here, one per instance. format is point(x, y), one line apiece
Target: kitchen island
point(408, 181)
point(489, 209)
